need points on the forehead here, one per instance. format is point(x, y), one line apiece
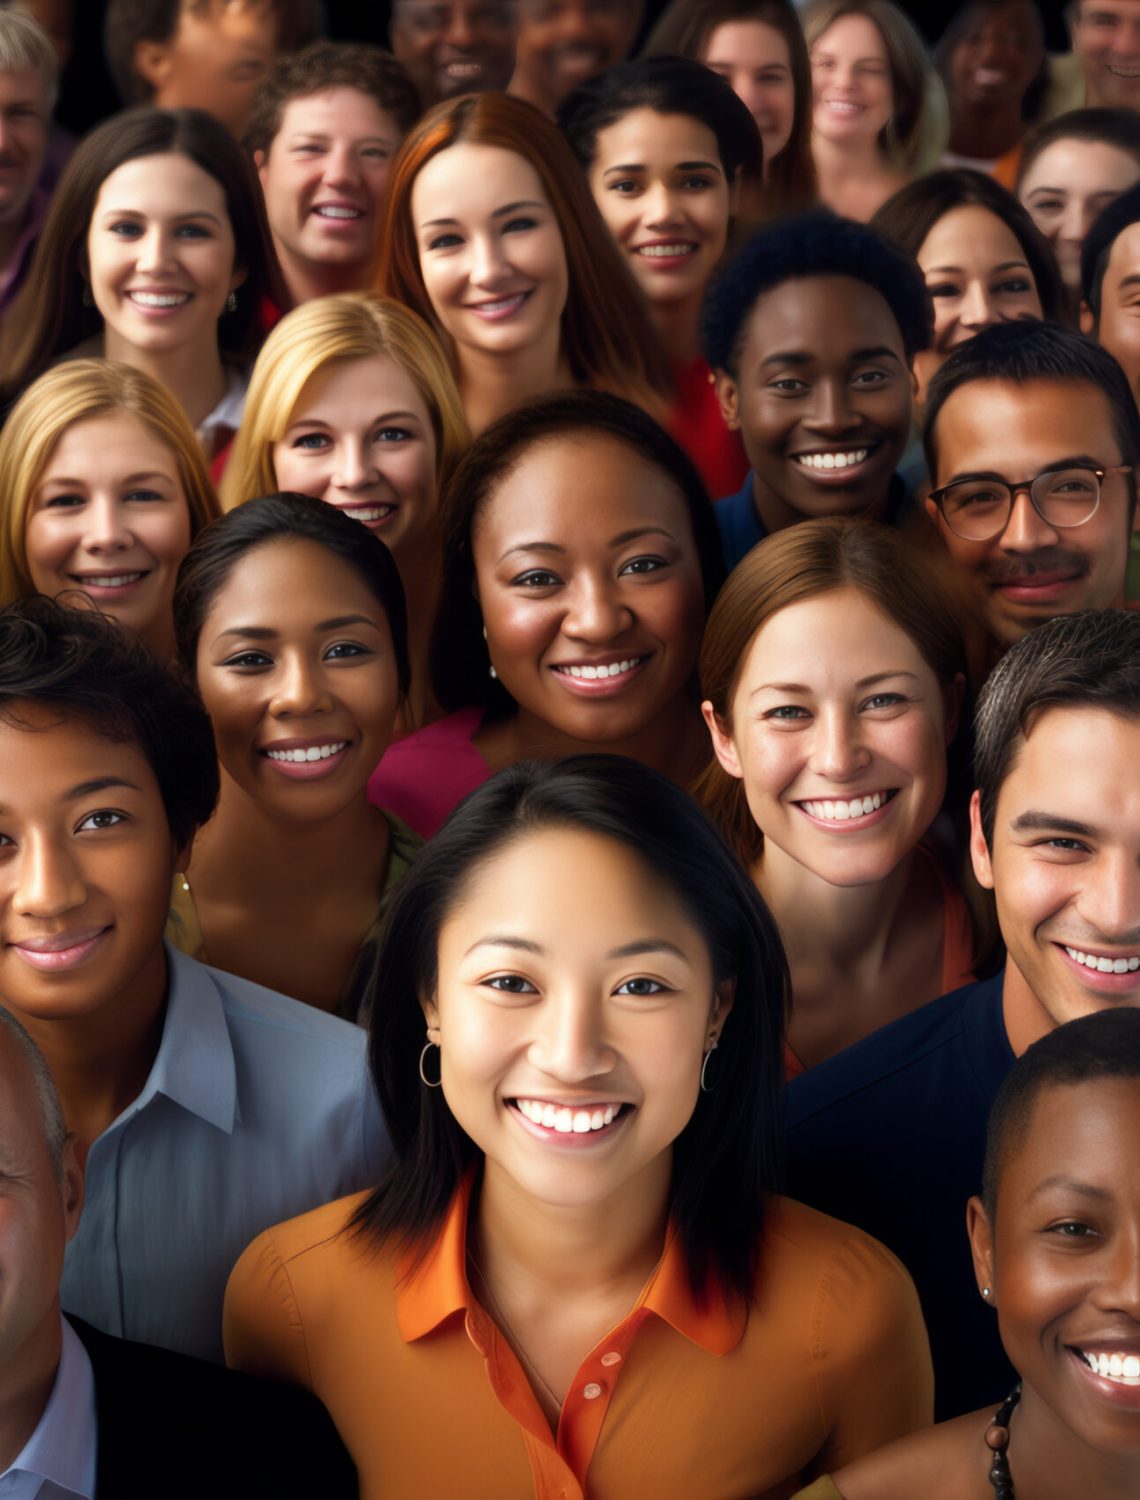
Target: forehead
point(967, 237)
point(118, 440)
point(290, 585)
point(166, 183)
point(644, 134)
point(823, 316)
point(1001, 427)
point(45, 755)
point(1080, 764)
point(837, 637)
point(851, 34)
point(1086, 167)
point(346, 389)
point(343, 108)
point(1086, 1132)
point(22, 86)
point(472, 180)
point(753, 43)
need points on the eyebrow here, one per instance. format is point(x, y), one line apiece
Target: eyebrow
point(138, 213)
point(267, 633)
point(387, 416)
point(507, 208)
point(320, 137)
point(1035, 821)
point(805, 356)
point(864, 682)
point(1005, 265)
point(618, 541)
point(90, 788)
point(126, 479)
point(1131, 280)
point(1085, 1189)
point(1070, 461)
point(680, 166)
point(626, 950)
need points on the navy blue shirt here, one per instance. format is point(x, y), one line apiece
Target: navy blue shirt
point(741, 527)
point(890, 1136)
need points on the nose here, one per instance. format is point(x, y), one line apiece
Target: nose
point(976, 308)
point(48, 882)
point(352, 468)
point(830, 412)
point(487, 259)
point(459, 31)
point(153, 252)
point(659, 206)
point(596, 611)
point(1118, 1282)
point(341, 166)
point(1110, 899)
point(1075, 221)
point(1026, 530)
point(838, 752)
point(300, 687)
point(570, 1043)
point(107, 529)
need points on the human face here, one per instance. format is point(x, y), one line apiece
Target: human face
point(976, 273)
point(822, 398)
point(219, 54)
point(452, 47)
point(1064, 866)
point(160, 255)
point(86, 862)
point(851, 82)
point(109, 516)
point(844, 770)
point(296, 668)
point(1063, 1262)
point(491, 251)
point(562, 43)
point(1106, 40)
point(577, 581)
point(662, 191)
point(361, 439)
point(571, 1064)
point(1064, 190)
point(755, 60)
point(998, 55)
point(1031, 571)
point(1118, 327)
point(324, 179)
point(24, 117)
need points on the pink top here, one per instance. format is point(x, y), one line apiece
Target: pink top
point(425, 775)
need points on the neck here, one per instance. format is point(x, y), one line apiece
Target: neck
point(673, 743)
point(26, 1383)
point(776, 514)
point(1048, 1461)
point(1026, 1019)
point(493, 384)
point(306, 280)
point(839, 163)
point(679, 324)
point(987, 133)
point(193, 374)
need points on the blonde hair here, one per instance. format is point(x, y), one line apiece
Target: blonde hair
point(327, 330)
point(80, 391)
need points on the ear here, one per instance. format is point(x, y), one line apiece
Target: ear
point(72, 1186)
point(980, 1230)
point(183, 856)
point(1086, 320)
point(931, 508)
point(979, 849)
point(723, 998)
point(153, 62)
point(729, 398)
point(431, 1016)
point(952, 696)
point(724, 746)
point(260, 162)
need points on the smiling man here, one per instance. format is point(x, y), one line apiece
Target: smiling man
point(452, 47)
point(1033, 439)
point(1106, 44)
point(890, 1135)
point(811, 333)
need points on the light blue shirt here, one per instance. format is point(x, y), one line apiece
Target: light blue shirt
point(58, 1460)
point(257, 1108)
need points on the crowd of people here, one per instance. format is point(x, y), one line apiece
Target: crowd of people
point(569, 725)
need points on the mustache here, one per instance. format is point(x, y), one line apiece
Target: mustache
point(1031, 564)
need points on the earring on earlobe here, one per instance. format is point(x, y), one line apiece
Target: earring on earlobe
point(231, 302)
point(491, 669)
point(706, 1086)
point(987, 1293)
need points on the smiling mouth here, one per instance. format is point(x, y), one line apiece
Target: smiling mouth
point(336, 211)
point(1103, 963)
point(564, 1120)
point(842, 810)
point(499, 308)
point(674, 251)
point(828, 462)
point(106, 580)
point(602, 671)
point(307, 753)
point(1121, 1368)
point(159, 299)
point(1117, 71)
point(368, 514)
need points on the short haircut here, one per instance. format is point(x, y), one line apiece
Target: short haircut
point(1100, 124)
point(128, 22)
point(51, 1110)
point(284, 518)
point(968, 14)
point(75, 663)
point(725, 1160)
point(908, 216)
point(25, 45)
point(460, 665)
point(1027, 351)
point(819, 243)
point(327, 65)
point(1100, 1047)
point(1088, 660)
point(1096, 251)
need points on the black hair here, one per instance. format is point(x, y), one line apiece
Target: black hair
point(1106, 228)
point(86, 668)
point(908, 216)
point(818, 243)
point(727, 1158)
point(460, 665)
point(218, 549)
point(668, 86)
point(1097, 1047)
point(1090, 660)
point(1025, 351)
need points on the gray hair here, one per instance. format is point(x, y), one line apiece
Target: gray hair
point(51, 1110)
point(25, 44)
point(1090, 659)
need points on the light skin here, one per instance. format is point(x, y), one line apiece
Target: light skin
point(108, 516)
point(988, 73)
point(324, 178)
point(1064, 865)
point(562, 43)
point(295, 654)
point(24, 117)
point(1106, 40)
point(753, 57)
point(1031, 570)
point(452, 47)
point(1118, 327)
point(595, 993)
point(574, 580)
point(976, 273)
point(494, 266)
point(853, 100)
point(822, 397)
point(161, 266)
point(1065, 189)
point(865, 719)
point(217, 56)
point(663, 193)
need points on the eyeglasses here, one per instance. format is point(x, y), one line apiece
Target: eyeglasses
point(978, 509)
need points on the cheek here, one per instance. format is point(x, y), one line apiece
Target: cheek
point(770, 761)
point(1029, 891)
point(411, 473)
point(167, 534)
point(676, 614)
point(47, 547)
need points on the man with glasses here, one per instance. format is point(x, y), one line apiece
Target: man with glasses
point(1033, 443)
point(452, 47)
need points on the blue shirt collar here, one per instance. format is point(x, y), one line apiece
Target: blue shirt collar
point(62, 1448)
point(195, 1064)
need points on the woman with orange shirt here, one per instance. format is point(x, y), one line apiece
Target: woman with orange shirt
point(576, 1279)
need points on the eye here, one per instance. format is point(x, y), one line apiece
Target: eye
point(872, 378)
point(314, 442)
point(104, 818)
point(884, 700)
point(1048, 206)
point(788, 385)
point(248, 660)
point(1072, 1229)
point(378, 153)
point(346, 651)
point(536, 578)
point(308, 148)
point(194, 232)
point(510, 984)
point(125, 229)
point(697, 184)
point(519, 225)
point(642, 986)
point(143, 495)
point(64, 502)
point(1017, 287)
point(786, 713)
point(644, 565)
point(626, 187)
point(444, 241)
point(393, 435)
point(944, 289)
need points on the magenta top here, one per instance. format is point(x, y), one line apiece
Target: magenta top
point(425, 775)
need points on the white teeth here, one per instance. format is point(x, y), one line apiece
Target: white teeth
point(157, 299)
point(565, 1120)
point(331, 211)
point(500, 306)
point(614, 669)
point(112, 580)
point(658, 251)
point(1122, 1367)
point(832, 460)
point(1102, 964)
point(842, 812)
point(310, 752)
point(370, 512)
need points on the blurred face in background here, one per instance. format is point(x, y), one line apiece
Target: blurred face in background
point(754, 58)
point(452, 47)
point(1064, 190)
point(562, 43)
point(218, 54)
point(24, 117)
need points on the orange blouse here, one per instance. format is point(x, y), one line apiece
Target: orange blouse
point(680, 1400)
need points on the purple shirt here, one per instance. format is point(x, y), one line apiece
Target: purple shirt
point(12, 275)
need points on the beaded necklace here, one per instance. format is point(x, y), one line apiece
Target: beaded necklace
point(997, 1440)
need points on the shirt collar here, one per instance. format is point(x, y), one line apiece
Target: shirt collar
point(195, 1064)
point(437, 1287)
point(62, 1448)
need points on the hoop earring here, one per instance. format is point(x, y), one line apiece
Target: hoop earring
point(706, 1087)
point(424, 1079)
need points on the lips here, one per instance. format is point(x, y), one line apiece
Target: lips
point(53, 952)
point(498, 309)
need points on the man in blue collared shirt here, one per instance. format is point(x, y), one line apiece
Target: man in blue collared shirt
point(207, 1108)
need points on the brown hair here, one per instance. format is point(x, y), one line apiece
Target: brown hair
point(608, 338)
point(802, 562)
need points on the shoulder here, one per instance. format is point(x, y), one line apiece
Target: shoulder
point(950, 1459)
point(834, 1260)
point(303, 1251)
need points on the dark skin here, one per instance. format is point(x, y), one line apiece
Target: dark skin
point(1062, 1258)
point(999, 53)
